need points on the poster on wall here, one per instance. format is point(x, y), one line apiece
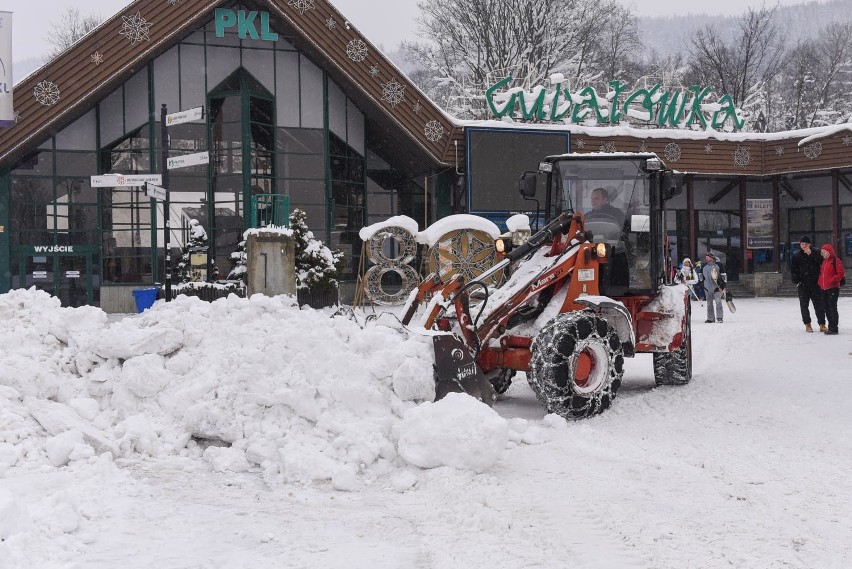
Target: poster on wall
point(759, 216)
point(7, 112)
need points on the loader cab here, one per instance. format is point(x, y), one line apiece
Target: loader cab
point(622, 198)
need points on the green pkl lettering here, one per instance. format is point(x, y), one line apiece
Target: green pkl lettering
point(225, 18)
point(245, 24)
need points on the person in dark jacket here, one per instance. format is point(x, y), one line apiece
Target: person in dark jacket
point(804, 271)
point(831, 272)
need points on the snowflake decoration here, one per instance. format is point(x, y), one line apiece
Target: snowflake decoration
point(46, 93)
point(608, 146)
point(581, 143)
point(779, 150)
point(302, 5)
point(847, 140)
point(433, 131)
point(643, 147)
point(17, 116)
point(417, 108)
point(172, 2)
point(672, 152)
point(813, 150)
point(356, 50)
point(374, 70)
point(393, 92)
point(708, 149)
point(742, 156)
point(135, 28)
point(97, 58)
point(330, 23)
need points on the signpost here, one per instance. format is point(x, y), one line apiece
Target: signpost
point(156, 192)
point(164, 158)
point(187, 160)
point(166, 163)
point(124, 180)
point(189, 115)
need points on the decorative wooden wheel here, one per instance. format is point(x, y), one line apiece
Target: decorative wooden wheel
point(468, 252)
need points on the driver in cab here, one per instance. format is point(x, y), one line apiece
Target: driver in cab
point(602, 210)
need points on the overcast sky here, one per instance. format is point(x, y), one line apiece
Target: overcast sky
point(384, 22)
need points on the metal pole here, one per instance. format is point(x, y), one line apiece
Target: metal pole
point(164, 156)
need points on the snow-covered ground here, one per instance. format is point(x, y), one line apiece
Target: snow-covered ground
point(249, 434)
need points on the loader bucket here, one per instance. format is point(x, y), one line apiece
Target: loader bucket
point(456, 370)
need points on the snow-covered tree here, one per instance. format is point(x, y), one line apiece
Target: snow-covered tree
point(239, 268)
point(70, 27)
point(317, 266)
point(196, 244)
point(735, 61)
point(817, 79)
point(472, 44)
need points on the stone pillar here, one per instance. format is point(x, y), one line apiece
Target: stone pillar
point(270, 264)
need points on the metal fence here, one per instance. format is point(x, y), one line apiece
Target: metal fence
point(270, 209)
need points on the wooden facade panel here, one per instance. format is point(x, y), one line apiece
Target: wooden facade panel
point(81, 81)
point(333, 46)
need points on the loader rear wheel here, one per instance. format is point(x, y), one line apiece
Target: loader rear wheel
point(577, 365)
point(675, 368)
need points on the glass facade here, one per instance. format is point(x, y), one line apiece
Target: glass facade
point(274, 123)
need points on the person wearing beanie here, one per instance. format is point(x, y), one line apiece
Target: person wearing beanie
point(831, 273)
point(804, 271)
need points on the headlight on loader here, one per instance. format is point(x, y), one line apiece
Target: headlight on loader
point(600, 249)
point(502, 246)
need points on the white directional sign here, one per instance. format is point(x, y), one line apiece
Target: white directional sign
point(188, 115)
point(124, 180)
point(155, 192)
point(188, 160)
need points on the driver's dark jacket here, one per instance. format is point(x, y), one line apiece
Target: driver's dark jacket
point(606, 212)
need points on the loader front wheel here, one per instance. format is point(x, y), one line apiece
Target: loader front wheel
point(501, 379)
point(675, 368)
point(577, 365)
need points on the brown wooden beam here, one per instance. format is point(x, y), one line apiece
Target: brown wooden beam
point(724, 191)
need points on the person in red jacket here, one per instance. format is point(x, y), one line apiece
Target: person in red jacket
point(830, 273)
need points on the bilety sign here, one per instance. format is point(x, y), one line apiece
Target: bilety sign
point(690, 109)
point(244, 22)
point(7, 110)
point(189, 115)
point(124, 180)
point(760, 218)
point(186, 160)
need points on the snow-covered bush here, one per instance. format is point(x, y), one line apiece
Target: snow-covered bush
point(317, 266)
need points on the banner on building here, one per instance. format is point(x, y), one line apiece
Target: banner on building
point(7, 111)
point(760, 222)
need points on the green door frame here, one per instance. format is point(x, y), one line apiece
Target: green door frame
point(246, 94)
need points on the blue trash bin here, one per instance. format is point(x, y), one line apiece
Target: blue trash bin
point(145, 298)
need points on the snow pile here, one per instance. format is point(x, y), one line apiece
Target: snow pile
point(240, 384)
point(455, 431)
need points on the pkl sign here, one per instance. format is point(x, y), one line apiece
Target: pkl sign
point(244, 22)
